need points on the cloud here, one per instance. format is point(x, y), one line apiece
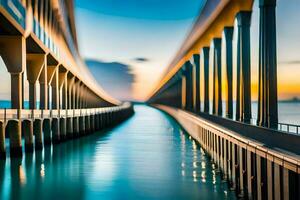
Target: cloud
point(141, 59)
point(114, 77)
point(290, 62)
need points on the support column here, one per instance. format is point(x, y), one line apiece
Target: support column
point(51, 72)
point(70, 92)
point(14, 131)
point(217, 78)
point(206, 78)
point(55, 130)
point(38, 133)
point(55, 90)
point(81, 125)
point(62, 82)
point(189, 85)
point(16, 91)
point(197, 105)
point(27, 126)
point(244, 75)
point(13, 53)
point(47, 131)
point(228, 33)
point(43, 87)
point(62, 129)
point(267, 89)
point(183, 89)
point(35, 63)
point(2, 141)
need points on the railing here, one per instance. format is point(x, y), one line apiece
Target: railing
point(289, 128)
point(10, 114)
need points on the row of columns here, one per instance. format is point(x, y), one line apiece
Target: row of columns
point(267, 101)
point(67, 91)
point(45, 131)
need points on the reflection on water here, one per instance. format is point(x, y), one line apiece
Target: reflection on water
point(147, 157)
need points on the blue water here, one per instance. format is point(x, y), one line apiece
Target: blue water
point(146, 157)
point(289, 112)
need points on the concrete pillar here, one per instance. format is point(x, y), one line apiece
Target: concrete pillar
point(267, 89)
point(14, 131)
point(27, 128)
point(13, 53)
point(55, 130)
point(87, 124)
point(35, 63)
point(43, 87)
point(206, 78)
point(82, 125)
point(96, 119)
point(70, 92)
point(2, 141)
point(16, 91)
point(183, 91)
point(76, 126)
point(62, 129)
point(244, 76)
point(55, 90)
point(47, 131)
point(38, 133)
point(189, 85)
point(69, 127)
point(92, 120)
point(217, 78)
point(228, 33)
point(63, 101)
point(51, 72)
point(77, 94)
point(196, 58)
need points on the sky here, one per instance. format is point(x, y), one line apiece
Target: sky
point(143, 35)
point(129, 43)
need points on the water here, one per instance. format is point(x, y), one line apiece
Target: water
point(146, 157)
point(288, 112)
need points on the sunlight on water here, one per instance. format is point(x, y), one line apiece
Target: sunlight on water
point(147, 157)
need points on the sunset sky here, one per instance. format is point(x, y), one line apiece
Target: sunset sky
point(143, 36)
point(121, 31)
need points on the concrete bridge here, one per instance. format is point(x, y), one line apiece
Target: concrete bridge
point(258, 158)
point(38, 44)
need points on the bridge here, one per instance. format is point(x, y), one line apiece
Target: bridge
point(38, 44)
point(258, 157)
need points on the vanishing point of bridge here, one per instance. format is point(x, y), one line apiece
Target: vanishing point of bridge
point(38, 44)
